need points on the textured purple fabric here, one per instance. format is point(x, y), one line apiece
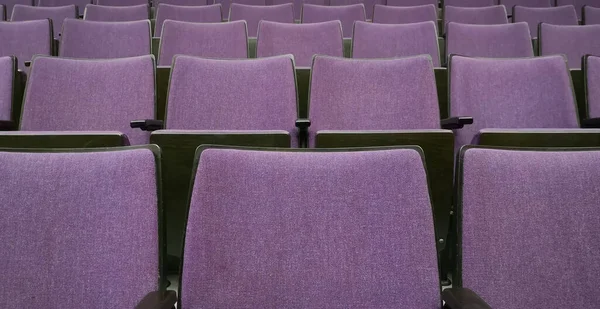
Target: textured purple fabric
point(572, 41)
point(9, 4)
point(79, 3)
point(593, 85)
point(488, 15)
point(578, 4)
point(184, 2)
point(561, 15)
point(399, 40)
point(411, 2)
point(315, 230)
point(495, 41)
point(97, 39)
point(511, 93)
point(210, 40)
point(529, 227)
point(25, 39)
point(302, 40)
point(196, 14)
point(77, 225)
point(116, 13)
point(121, 2)
point(382, 94)
point(252, 14)
point(7, 80)
point(384, 14)
point(509, 4)
point(469, 3)
point(57, 14)
point(90, 95)
point(367, 3)
point(591, 15)
point(346, 14)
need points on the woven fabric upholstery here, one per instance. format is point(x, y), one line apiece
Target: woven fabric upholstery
point(469, 3)
point(411, 2)
point(529, 226)
point(121, 2)
point(116, 13)
point(196, 14)
point(384, 14)
point(90, 95)
point(184, 2)
point(493, 41)
point(509, 4)
point(578, 4)
point(382, 94)
point(314, 230)
point(302, 40)
point(67, 224)
point(399, 40)
point(593, 86)
point(591, 15)
point(57, 14)
point(252, 14)
point(489, 15)
point(346, 14)
point(79, 3)
point(511, 94)
point(562, 15)
point(9, 4)
point(7, 80)
point(210, 40)
point(572, 41)
point(101, 40)
point(367, 3)
point(25, 39)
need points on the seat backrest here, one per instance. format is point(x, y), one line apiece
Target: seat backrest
point(511, 94)
point(24, 39)
point(100, 40)
point(561, 15)
point(494, 41)
point(252, 14)
point(314, 218)
point(68, 218)
point(346, 14)
point(8, 70)
point(411, 2)
point(395, 40)
point(384, 14)
point(579, 4)
point(210, 40)
point(488, 15)
point(381, 94)
point(122, 2)
point(572, 41)
point(116, 13)
point(184, 2)
point(592, 86)
point(528, 218)
point(57, 14)
point(79, 3)
point(591, 15)
point(9, 4)
point(369, 4)
point(90, 95)
point(469, 3)
point(196, 14)
point(509, 4)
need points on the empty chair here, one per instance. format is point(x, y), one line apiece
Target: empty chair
point(495, 41)
point(384, 14)
point(561, 15)
point(411, 2)
point(469, 3)
point(591, 15)
point(579, 4)
point(8, 70)
point(369, 4)
point(592, 87)
point(121, 2)
point(572, 41)
point(196, 14)
point(183, 2)
point(9, 4)
point(79, 3)
point(24, 39)
point(347, 14)
point(116, 13)
point(490, 15)
point(252, 14)
point(509, 4)
point(210, 40)
point(400, 40)
point(302, 40)
point(96, 39)
point(56, 14)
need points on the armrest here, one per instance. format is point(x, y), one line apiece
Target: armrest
point(303, 124)
point(463, 298)
point(590, 123)
point(7, 125)
point(147, 124)
point(158, 300)
point(454, 123)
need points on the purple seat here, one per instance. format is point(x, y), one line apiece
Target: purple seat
point(561, 15)
point(116, 13)
point(184, 2)
point(96, 39)
point(314, 232)
point(383, 14)
point(591, 15)
point(252, 14)
point(79, 3)
point(9, 4)
point(302, 40)
point(579, 4)
point(24, 39)
point(489, 15)
point(369, 4)
point(57, 14)
point(196, 14)
point(68, 217)
point(592, 77)
point(516, 204)
point(495, 41)
point(572, 41)
point(531, 93)
point(90, 95)
point(469, 3)
point(346, 14)
point(400, 40)
point(210, 40)
point(411, 2)
point(509, 4)
point(8, 70)
point(121, 2)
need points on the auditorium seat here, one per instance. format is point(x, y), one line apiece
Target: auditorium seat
point(252, 14)
point(384, 14)
point(302, 40)
point(411, 2)
point(8, 80)
point(509, 4)
point(347, 14)
point(591, 15)
point(469, 3)
point(79, 3)
point(96, 39)
point(197, 14)
point(369, 4)
point(395, 40)
point(184, 2)
point(562, 15)
point(121, 2)
point(24, 39)
point(79, 224)
point(116, 13)
point(592, 87)
point(57, 14)
point(572, 41)
point(579, 4)
point(488, 15)
point(9, 4)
